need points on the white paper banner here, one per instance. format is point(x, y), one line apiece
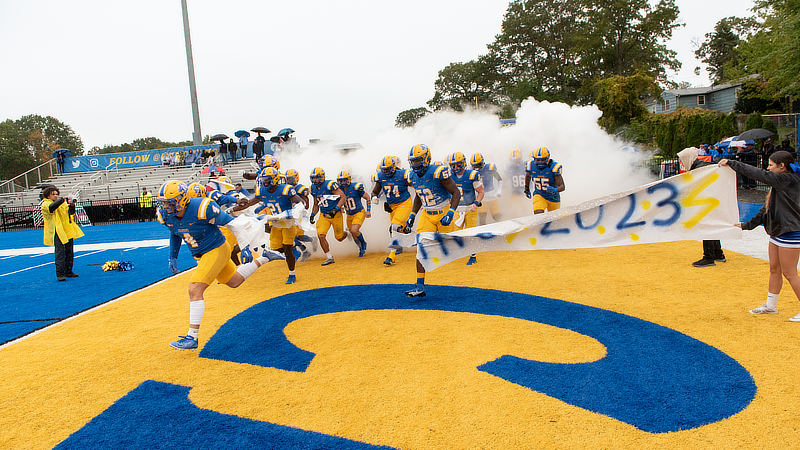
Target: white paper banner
point(700, 204)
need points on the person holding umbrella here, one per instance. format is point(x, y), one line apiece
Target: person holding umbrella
point(223, 151)
point(243, 142)
point(258, 142)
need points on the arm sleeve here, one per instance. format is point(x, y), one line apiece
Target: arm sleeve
point(764, 176)
point(54, 206)
point(757, 220)
point(174, 245)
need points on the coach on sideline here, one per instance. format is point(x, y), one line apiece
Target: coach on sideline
point(59, 222)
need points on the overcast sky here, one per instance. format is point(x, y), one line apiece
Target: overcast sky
point(116, 71)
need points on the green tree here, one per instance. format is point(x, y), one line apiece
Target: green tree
point(467, 83)
point(720, 50)
point(409, 117)
point(31, 140)
point(621, 37)
point(753, 121)
point(620, 99)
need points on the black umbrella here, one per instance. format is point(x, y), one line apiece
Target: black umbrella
point(219, 137)
point(755, 133)
point(260, 130)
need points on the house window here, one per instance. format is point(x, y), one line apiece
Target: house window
point(713, 98)
point(666, 105)
point(701, 100)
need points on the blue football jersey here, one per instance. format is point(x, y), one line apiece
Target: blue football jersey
point(325, 196)
point(466, 184)
point(199, 226)
point(542, 178)
point(429, 187)
point(353, 195)
point(395, 187)
point(515, 174)
point(221, 199)
point(302, 189)
point(275, 202)
point(487, 176)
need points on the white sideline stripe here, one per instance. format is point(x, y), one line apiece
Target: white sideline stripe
point(59, 322)
point(48, 263)
point(37, 251)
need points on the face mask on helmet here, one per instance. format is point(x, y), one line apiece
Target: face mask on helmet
point(317, 176)
point(419, 158)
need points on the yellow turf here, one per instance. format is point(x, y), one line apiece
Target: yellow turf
point(408, 379)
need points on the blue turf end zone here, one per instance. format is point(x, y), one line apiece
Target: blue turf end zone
point(32, 297)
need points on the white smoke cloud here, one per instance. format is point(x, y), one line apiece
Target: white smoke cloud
point(594, 163)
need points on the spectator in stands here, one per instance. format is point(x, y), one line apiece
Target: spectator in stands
point(60, 229)
point(205, 155)
point(787, 147)
point(766, 151)
point(146, 206)
point(232, 148)
point(223, 152)
point(243, 142)
point(60, 158)
point(258, 147)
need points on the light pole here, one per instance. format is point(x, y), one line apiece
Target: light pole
point(197, 137)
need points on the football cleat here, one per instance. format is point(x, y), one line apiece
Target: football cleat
point(418, 291)
point(362, 250)
point(291, 279)
point(472, 260)
point(272, 255)
point(328, 262)
point(304, 256)
point(296, 254)
point(184, 343)
point(388, 261)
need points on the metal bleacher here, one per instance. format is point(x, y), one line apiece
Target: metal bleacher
point(118, 184)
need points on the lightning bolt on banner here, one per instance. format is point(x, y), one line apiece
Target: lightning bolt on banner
point(700, 204)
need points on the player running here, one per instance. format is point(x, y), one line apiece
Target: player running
point(394, 184)
point(353, 193)
point(328, 199)
point(438, 194)
point(491, 190)
point(547, 181)
point(471, 189)
point(196, 221)
point(278, 200)
point(515, 172)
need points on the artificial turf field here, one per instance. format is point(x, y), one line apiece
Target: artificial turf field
point(627, 347)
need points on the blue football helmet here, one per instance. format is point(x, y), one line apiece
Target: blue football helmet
point(419, 158)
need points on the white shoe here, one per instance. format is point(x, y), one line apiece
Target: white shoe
point(764, 309)
point(795, 318)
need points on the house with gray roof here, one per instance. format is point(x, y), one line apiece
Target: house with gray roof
point(721, 97)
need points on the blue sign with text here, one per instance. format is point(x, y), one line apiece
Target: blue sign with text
point(126, 160)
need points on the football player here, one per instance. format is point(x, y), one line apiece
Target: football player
point(353, 193)
point(471, 189)
point(438, 194)
point(394, 184)
point(278, 200)
point(545, 174)
point(491, 190)
point(328, 199)
point(196, 221)
point(293, 177)
point(515, 171)
point(197, 190)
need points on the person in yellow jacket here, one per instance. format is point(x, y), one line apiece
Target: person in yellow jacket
point(60, 229)
point(146, 206)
